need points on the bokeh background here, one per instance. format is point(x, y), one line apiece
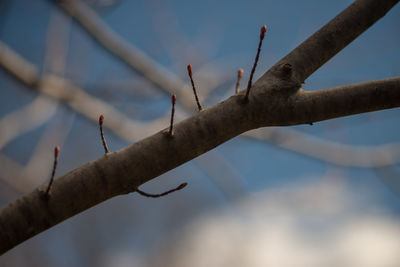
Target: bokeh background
point(320, 195)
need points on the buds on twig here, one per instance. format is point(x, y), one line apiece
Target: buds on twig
point(189, 68)
point(262, 35)
point(181, 186)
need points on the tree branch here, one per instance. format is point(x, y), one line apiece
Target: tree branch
point(336, 35)
point(275, 100)
point(128, 53)
point(132, 131)
point(77, 99)
point(328, 151)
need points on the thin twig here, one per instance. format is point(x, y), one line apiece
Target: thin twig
point(103, 139)
point(189, 68)
point(180, 187)
point(171, 125)
point(53, 172)
point(262, 35)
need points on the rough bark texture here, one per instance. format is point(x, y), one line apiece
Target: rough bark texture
point(276, 99)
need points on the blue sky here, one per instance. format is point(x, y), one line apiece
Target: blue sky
point(220, 37)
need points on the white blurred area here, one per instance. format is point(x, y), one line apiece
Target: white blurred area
point(319, 224)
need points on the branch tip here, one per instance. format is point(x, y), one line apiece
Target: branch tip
point(263, 31)
point(189, 68)
point(103, 139)
point(180, 187)
point(56, 152)
point(53, 172)
point(101, 119)
point(262, 35)
point(173, 99)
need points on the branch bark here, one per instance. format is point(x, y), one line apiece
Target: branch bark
point(130, 130)
point(275, 100)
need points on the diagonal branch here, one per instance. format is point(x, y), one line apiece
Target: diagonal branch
point(123, 171)
point(276, 100)
point(133, 130)
point(336, 35)
point(77, 99)
point(26, 119)
point(128, 53)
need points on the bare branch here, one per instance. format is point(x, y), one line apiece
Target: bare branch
point(17, 66)
point(334, 36)
point(26, 119)
point(24, 178)
point(128, 53)
point(276, 100)
point(123, 171)
point(76, 98)
point(285, 138)
point(328, 151)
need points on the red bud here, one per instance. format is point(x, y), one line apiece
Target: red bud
point(263, 31)
point(181, 186)
point(173, 98)
point(101, 119)
point(189, 68)
point(240, 73)
point(56, 151)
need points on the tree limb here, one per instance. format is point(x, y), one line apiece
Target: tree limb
point(328, 151)
point(128, 53)
point(275, 100)
point(336, 35)
point(131, 130)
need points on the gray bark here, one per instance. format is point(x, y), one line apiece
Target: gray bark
point(276, 99)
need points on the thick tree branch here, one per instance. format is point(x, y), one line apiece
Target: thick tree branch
point(275, 100)
point(289, 139)
point(336, 35)
point(123, 171)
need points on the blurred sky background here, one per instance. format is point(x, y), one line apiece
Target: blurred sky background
point(248, 202)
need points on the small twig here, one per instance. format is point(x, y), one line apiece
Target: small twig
point(189, 68)
point(56, 152)
point(180, 187)
point(239, 77)
point(171, 126)
point(262, 35)
point(103, 139)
